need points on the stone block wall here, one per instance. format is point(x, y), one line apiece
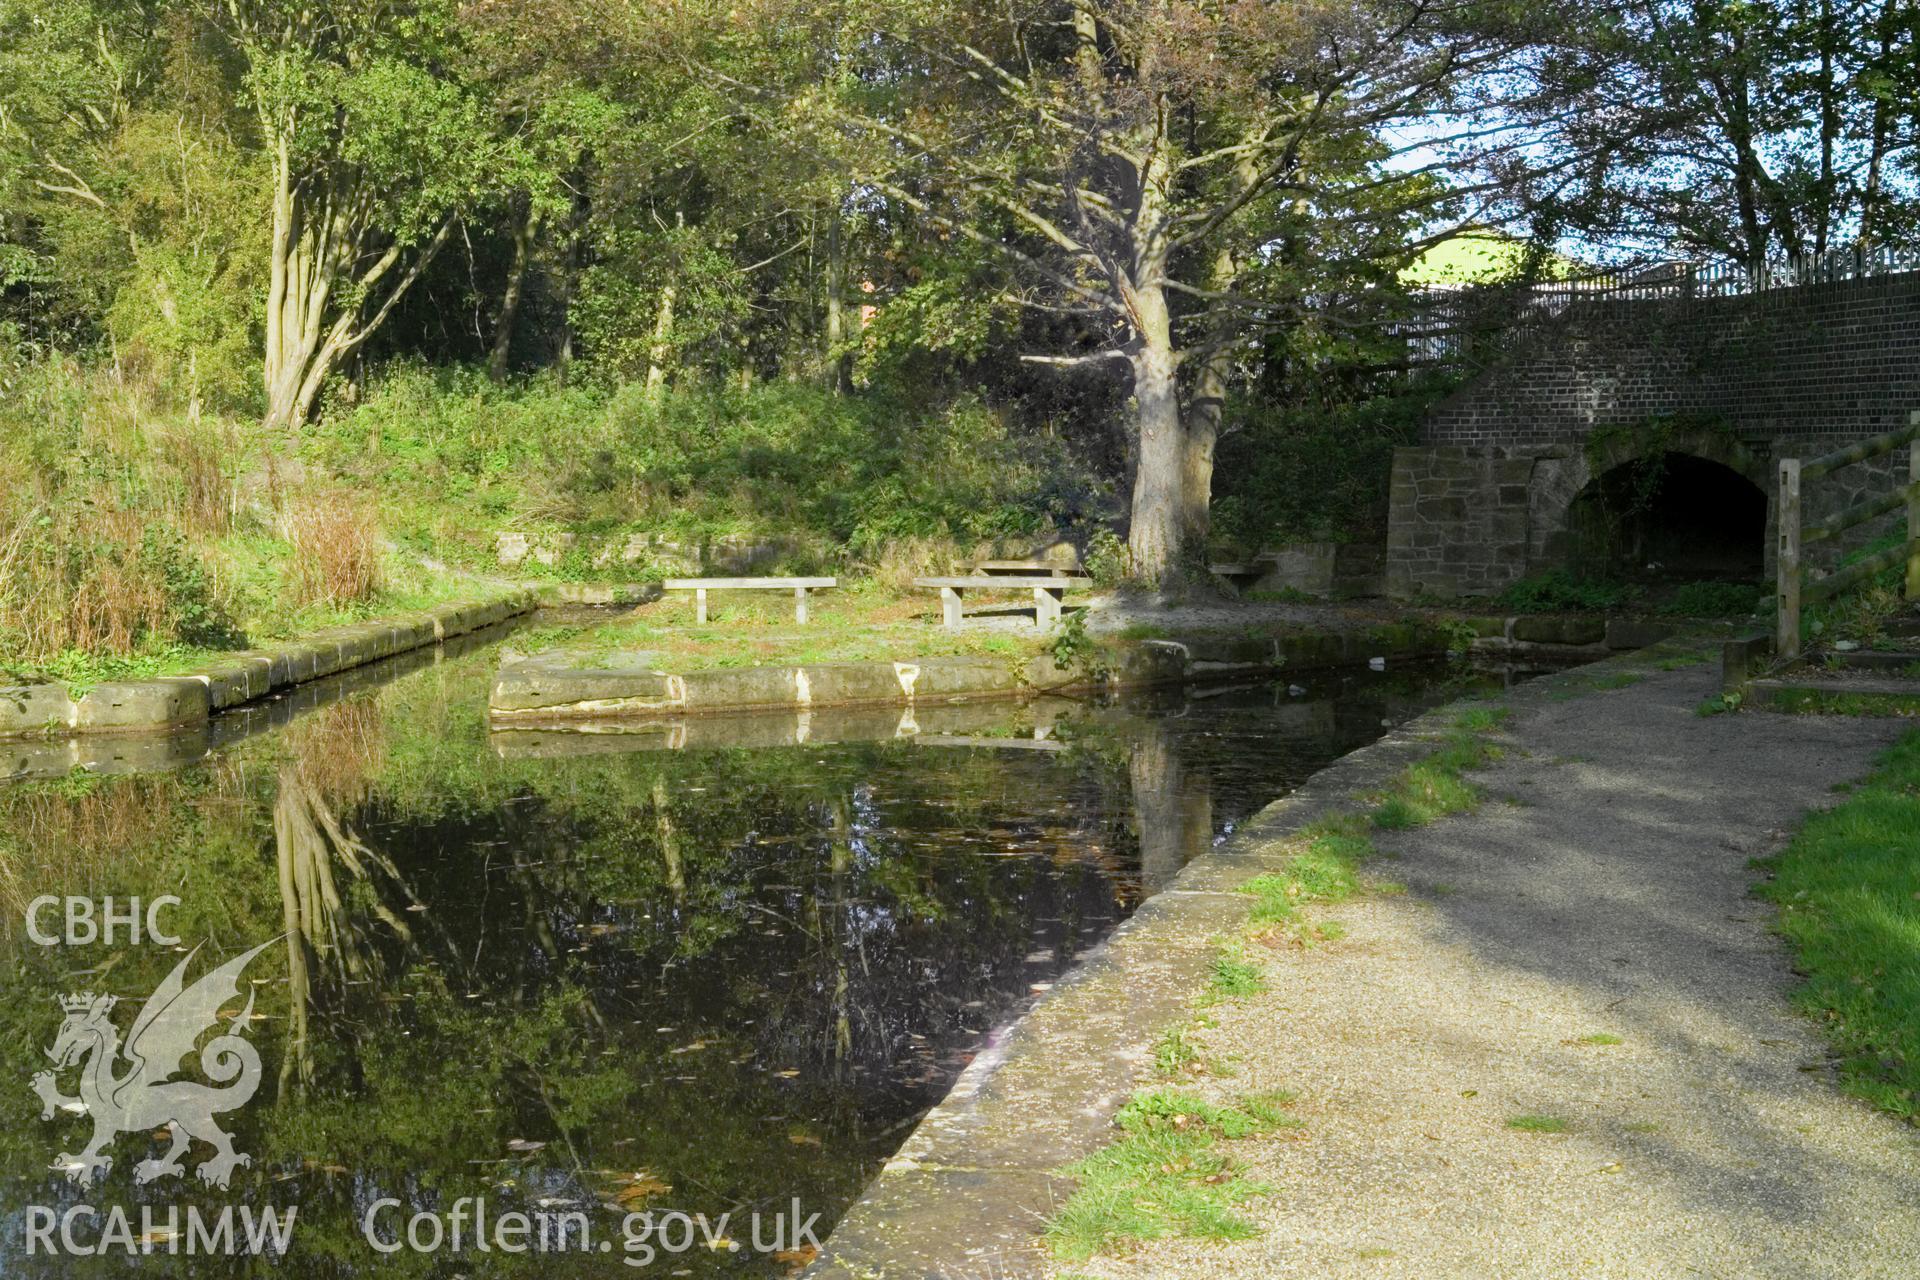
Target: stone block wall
point(1460, 523)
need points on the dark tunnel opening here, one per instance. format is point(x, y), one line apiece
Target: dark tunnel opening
point(1675, 517)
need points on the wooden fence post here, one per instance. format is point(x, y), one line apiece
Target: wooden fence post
point(1913, 515)
point(1786, 642)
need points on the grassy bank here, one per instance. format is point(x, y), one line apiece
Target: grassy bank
point(1848, 889)
point(138, 533)
point(861, 621)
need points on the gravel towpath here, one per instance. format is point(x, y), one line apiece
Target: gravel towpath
point(1602, 891)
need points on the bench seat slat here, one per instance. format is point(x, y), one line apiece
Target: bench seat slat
point(1006, 583)
point(746, 584)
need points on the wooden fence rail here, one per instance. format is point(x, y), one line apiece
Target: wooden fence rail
point(1794, 590)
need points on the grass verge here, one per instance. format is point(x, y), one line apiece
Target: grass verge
point(1848, 889)
point(1167, 1174)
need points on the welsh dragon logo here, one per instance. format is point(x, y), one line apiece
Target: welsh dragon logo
point(144, 1096)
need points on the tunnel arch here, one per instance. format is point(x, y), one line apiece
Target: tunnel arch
point(1695, 503)
point(1670, 516)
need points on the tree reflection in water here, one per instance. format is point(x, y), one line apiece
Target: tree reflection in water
point(710, 980)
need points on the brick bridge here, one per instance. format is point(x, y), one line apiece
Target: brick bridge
point(1527, 467)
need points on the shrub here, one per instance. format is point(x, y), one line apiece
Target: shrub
point(336, 543)
point(108, 503)
point(1311, 469)
point(453, 458)
point(1557, 591)
point(1713, 600)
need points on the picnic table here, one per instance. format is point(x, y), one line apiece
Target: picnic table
point(1047, 590)
point(700, 587)
point(1026, 568)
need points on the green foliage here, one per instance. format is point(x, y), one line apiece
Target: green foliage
point(1301, 470)
point(1482, 719)
point(1559, 591)
point(1174, 1053)
point(1434, 787)
point(1165, 1175)
point(1071, 646)
point(1713, 600)
point(1718, 704)
point(1861, 613)
point(1106, 560)
point(1234, 976)
point(1325, 869)
point(195, 617)
point(1848, 890)
point(455, 458)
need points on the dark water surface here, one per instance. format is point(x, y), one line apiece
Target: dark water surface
point(599, 974)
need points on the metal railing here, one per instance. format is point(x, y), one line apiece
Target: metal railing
point(1443, 324)
point(1790, 574)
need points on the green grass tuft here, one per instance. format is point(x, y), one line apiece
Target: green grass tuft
point(1482, 719)
point(1174, 1053)
point(1434, 787)
point(1234, 976)
point(1537, 1124)
point(1165, 1175)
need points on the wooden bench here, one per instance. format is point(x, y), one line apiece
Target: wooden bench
point(700, 587)
point(1027, 568)
point(1047, 591)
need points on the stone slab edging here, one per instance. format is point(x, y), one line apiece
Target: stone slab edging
point(191, 699)
point(168, 751)
point(969, 1191)
point(564, 687)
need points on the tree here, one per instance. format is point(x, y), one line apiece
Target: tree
point(374, 152)
point(1743, 131)
point(1139, 164)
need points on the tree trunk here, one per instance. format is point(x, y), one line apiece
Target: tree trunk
point(1203, 414)
point(839, 372)
point(523, 233)
point(658, 352)
point(318, 245)
point(1157, 537)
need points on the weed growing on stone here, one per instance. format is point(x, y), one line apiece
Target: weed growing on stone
point(1718, 704)
point(1598, 1039)
point(1166, 1175)
point(1482, 719)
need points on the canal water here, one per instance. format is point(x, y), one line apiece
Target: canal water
point(678, 991)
